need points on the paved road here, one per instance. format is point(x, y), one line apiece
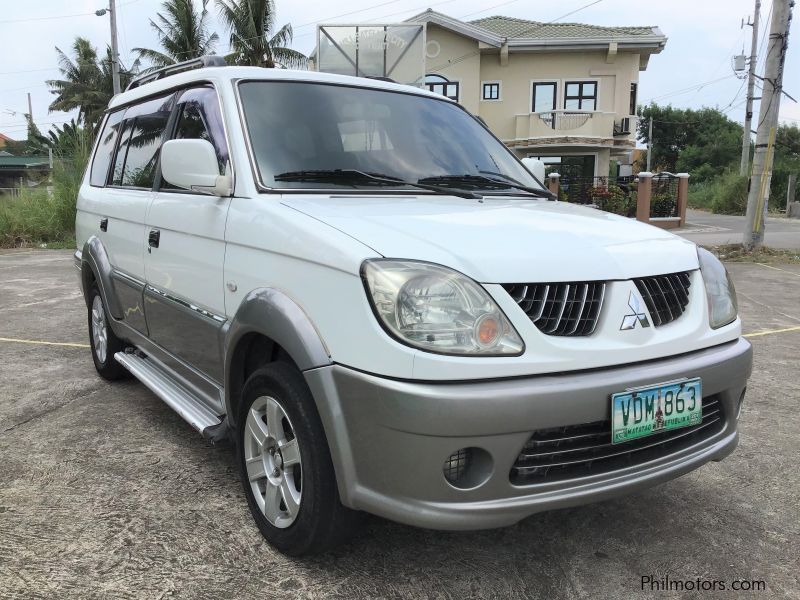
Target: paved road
point(106, 493)
point(709, 229)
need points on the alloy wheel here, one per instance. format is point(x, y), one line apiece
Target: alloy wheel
point(99, 329)
point(272, 460)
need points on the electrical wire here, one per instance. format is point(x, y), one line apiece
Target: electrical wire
point(691, 88)
point(28, 19)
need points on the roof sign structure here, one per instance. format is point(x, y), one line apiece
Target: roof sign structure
point(396, 52)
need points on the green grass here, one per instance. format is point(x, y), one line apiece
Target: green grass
point(39, 216)
point(701, 195)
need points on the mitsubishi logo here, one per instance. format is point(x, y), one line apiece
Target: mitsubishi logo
point(638, 316)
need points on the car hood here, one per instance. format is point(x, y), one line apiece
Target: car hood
point(504, 239)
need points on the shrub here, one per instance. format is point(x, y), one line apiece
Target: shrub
point(663, 204)
point(701, 194)
point(613, 199)
point(46, 214)
point(730, 195)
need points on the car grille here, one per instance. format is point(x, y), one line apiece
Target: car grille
point(560, 453)
point(666, 296)
point(566, 309)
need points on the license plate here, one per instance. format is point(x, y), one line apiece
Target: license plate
point(647, 410)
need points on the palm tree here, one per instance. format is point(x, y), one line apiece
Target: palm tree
point(86, 83)
point(182, 32)
point(251, 23)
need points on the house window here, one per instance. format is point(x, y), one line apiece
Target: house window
point(441, 85)
point(580, 95)
point(490, 90)
point(634, 89)
point(543, 96)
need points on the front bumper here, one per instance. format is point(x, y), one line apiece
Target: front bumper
point(389, 439)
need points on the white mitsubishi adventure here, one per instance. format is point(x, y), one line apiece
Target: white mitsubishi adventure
point(365, 290)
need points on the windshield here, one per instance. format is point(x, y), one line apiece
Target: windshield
point(300, 127)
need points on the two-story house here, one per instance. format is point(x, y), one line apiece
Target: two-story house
point(563, 92)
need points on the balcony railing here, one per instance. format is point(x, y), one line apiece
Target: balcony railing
point(571, 123)
point(563, 120)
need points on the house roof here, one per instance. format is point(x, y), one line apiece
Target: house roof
point(513, 28)
point(23, 162)
point(521, 34)
point(5, 138)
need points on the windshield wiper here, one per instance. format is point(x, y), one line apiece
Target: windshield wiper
point(353, 176)
point(484, 182)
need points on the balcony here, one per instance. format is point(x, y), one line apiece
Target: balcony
point(568, 127)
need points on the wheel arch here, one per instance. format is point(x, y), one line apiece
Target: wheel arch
point(268, 326)
point(96, 266)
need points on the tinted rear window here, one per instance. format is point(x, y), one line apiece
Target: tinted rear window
point(140, 142)
point(105, 148)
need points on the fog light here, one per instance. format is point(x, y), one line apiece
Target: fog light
point(468, 468)
point(455, 467)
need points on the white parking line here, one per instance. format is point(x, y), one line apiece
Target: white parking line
point(778, 269)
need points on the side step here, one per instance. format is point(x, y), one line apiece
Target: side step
point(181, 401)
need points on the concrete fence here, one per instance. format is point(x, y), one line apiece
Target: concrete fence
point(672, 191)
point(645, 195)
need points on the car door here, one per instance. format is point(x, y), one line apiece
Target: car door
point(184, 297)
point(117, 200)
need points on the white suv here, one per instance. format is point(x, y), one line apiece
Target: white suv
point(368, 292)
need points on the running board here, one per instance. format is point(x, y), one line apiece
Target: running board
point(181, 401)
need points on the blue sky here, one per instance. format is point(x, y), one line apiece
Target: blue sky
point(703, 36)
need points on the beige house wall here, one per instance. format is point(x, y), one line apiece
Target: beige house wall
point(461, 59)
point(458, 60)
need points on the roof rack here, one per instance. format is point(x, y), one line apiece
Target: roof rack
point(187, 65)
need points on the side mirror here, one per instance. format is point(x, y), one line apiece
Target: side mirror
point(192, 164)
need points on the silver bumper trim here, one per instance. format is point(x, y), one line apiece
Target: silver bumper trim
point(389, 439)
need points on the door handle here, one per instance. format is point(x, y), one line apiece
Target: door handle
point(104, 224)
point(153, 238)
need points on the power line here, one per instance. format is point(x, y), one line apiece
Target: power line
point(27, 19)
point(477, 12)
point(691, 88)
point(46, 18)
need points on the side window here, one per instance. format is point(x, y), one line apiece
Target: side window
point(580, 95)
point(199, 117)
point(140, 142)
point(543, 96)
point(105, 149)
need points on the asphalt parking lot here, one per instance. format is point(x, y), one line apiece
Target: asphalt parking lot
point(106, 493)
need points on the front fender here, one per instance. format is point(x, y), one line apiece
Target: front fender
point(272, 314)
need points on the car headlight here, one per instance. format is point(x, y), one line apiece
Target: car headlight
point(437, 309)
point(722, 307)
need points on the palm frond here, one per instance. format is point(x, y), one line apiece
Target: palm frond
point(289, 58)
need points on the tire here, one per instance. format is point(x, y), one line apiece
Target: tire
point(285, 464)
point(102, 339)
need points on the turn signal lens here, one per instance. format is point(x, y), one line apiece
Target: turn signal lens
point(488, 330)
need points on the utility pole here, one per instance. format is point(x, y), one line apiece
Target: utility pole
point(30, 108)
point(649, 142)
point(758, 195)
point(112, 9)
point(751, 81)
point(114, 51)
